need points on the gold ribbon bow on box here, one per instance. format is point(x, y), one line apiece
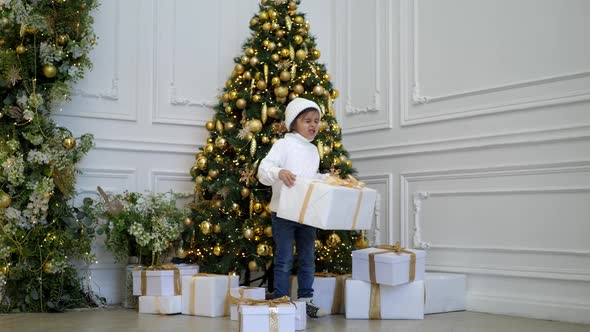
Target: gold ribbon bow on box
point(165, 267)
point(273, 319)
point(349, 182)
point(241, 299)
point(191, 305)
point(338, 290)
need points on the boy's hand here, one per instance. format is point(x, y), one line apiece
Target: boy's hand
point(287, 177)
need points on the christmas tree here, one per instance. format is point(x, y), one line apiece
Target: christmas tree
point(231, 230)
point(44, 47)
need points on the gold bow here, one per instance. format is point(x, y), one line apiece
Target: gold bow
point(350, 182)
point(397, 249)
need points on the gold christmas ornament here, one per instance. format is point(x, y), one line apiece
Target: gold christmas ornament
point(245, 192)
point(205, 227)
point(255, 125)
point(343, 158)
point(292, 96)
point(315, 53)
point(301, 55)
point(285, 76)
point(252, 266)
point(273, 112)
point(272, 46)
point(69, 143)
point(228, 83)
point(228, 109)
point(288, 23)
point(233, 95)
point(318, 90)
point(49, 70)
point(326, 95)
point(265, 43)
point(282, 100)
point(199, 179)
point(299, 19)
point(256, 98)
point(298, 39)
point(248, 233)
point(241, 103)
point(337, 145)
point(336, 161)
point(298, 89)
point(349, 163)
point(208, 148)
point(219, 126)
point(247, 75)
point(361, 242)
point(333, 240)
point(268, 231)
point(187, 221)
point(273, 140)
point(48, 267)
point(193, 170)
point(254, 21)
point(282, 91)
point(181, 253)
point(5, 200)
point(220, 142)
point(264, 113)
point(244, 60)
point(335, 127)
point(229, 125)
point(280, 33)
point(292, 5)
point(272, 14)
point(20, 49)
point(249, 51)
point(323, 125)
point(258, 207)
point(335, 93)
point(327, 149)
point(239, 68)
point(218, 204)
point(263, 16)
point(263, 249)
point(261, 85)
point(265, 139)
point(264, 2)
point(291, 52)
point(253, 146)
point(266, 26)
point(254, 61)
point(213, 173)
point(285, 52)
point(326, 77)
point(275, 81)
point(217, 250)
point(225, 97)
point(219, 160)
point(318, 245)
point(275, 57)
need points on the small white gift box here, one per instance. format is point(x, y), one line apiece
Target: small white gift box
point(160, 304)
point(392, 302)
point(259, 318)
point(328, 291)
point(244, 293)
point(326, 206)
point(207, 294)
point(387, 267)
point(162, 282)
point(444, 292)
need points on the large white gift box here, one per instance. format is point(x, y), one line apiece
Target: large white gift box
point(207, 294)
point(238, 294)
point(262, 318)
point(160, 304)
point(328, 291)
point(444, 292)
point(322, 205)
point(386, 267)
point(162, 280)
point(374, 301)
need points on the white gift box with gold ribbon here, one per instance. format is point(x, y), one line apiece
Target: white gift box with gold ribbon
point(259, 318)
point(300, 315)
point(160, 304)
point(323, 205)
point(161, 281)
point(388, 265)
point(207, 294)
point(374, 301)
point(239, 294)
point(328, 291)
point(445, 292)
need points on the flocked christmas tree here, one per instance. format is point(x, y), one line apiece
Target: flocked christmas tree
point(231, 224)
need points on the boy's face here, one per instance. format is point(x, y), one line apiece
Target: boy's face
point(307, 125)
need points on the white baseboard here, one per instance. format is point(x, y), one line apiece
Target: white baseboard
point(531, 308)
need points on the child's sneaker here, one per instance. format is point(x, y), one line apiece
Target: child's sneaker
point(313, 311)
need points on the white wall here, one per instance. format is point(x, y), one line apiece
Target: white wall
point(470, 118)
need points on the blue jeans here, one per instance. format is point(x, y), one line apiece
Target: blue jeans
point(284, 232)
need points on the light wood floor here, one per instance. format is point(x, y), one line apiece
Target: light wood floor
point(112, 319)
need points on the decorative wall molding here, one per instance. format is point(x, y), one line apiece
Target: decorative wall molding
point(449, 174)
point(145, 146)
point(157, 176)
point(344, 46)
point(410, 44)
point(514, 271)
point(385, 179)
point(557, 134)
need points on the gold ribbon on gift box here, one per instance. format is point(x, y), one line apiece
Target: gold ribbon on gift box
point(273, 310)
point(397, 249)
point(241, 299)
point(349, 182)
point(165, 267)
point(338, 290)
point(191, 305)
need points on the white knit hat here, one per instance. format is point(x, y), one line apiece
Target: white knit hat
point(297, 106)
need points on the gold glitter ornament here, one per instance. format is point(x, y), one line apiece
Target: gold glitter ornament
point(220, 142)
point(205, 227)
point(208, 148)
point(69, 143)
point(333, 240)
point(265, 139)
point(256, 98)
point(264, 113)
point(253, 146)
point(219, 126)
point(337, 145)
point(275, 81)
point(217, 250)
point(263, 249)
point(288, 23)
point(258, 207)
